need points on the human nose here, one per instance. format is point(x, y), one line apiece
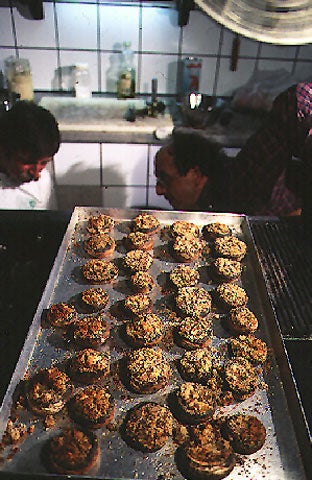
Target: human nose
point(160, 188)
point(35, 171)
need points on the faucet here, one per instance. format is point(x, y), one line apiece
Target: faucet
point(152, 109)
point(155, 106)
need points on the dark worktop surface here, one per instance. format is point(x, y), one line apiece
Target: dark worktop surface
point(29, 242)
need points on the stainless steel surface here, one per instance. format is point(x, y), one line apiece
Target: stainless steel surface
point(284, 22)
point(279, 459)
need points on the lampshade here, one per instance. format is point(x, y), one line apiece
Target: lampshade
point(283, 22)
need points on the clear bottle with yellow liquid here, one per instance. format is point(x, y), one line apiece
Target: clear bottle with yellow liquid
point(126, 78)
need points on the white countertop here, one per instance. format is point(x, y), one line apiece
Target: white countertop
point(103, 119)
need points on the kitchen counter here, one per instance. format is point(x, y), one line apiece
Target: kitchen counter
point(100, 120)
point(96, 120)
point(29, 241)
point(144, 130)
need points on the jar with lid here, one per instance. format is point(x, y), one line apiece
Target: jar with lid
point(19, 78)
point(82, 80)
point(126, 80)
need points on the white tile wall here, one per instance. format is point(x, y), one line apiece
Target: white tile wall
point(78, 164)
point(207, 76)
point(151, 173)
point(92, 31)
point(204, 39)
point(70, 57)
point(77, 24)
point(160, 32)
point(5, 53)
point(229, 81)
point(305, 52)
point(31, 33)
point(278, 51)
point(247, 46)
point(157, 201)
point(6, 37)
point(109, 71)
point(124, 197)
point(162, 67)
point(124, 164)
point(118, 24)
point(43, 65)
point(265, 64)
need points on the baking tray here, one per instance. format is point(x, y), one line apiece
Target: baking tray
point(280, 457)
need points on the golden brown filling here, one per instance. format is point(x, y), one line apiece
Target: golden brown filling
point(138, 260)
point(139, 240)
point(249, 347)
point(211, 455)
point(95, 297)
point(56, 379)
point(90, 361)
point(61, 315)
point(92, 403)
point(146, 223)
point(149, 425)
point(183, 228)
point(216, 229)
point(196, 399)
point(14, 432)
point(195, 331)
point(241, 376)
point(184, 276)
point(142, 281)
point(187, 248)
point(197, 364)
point(244, 319)
point(100, 223)
point(72, 449)
point(100, 271)
point(145, 328)
point(99, 244)
point(230, 246)
point(193, 301)
point(227, 268)
point(138, 303)
point(232, 294)
point(47, 389)
point(148, 366)
point(91, 329)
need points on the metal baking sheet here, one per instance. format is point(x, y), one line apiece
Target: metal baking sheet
point(279, 458)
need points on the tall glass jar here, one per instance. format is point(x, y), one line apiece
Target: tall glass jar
point(19, 78)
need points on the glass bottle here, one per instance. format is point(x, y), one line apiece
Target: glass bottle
point(82, 80)
point(126, 78)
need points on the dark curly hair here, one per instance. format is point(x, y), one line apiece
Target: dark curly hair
point(191, 147)
point(30, 131)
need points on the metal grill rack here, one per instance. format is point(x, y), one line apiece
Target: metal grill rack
point(285, 255)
